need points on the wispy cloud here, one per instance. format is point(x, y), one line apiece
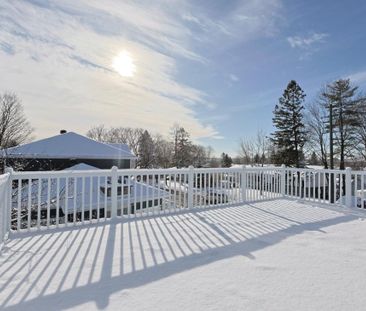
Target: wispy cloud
point(358, 77)
point(233, 77)
point(58, 57)
point(244, 21)
point(306, 42)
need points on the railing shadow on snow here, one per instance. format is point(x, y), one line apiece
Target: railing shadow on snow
point(72, 266)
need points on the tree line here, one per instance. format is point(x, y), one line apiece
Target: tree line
point(156, 151)
point(327, 131)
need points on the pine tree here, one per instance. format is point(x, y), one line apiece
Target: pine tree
point(342, 104)
point(182, 147)
point(146, 150)
point(313, 159)
point(289, 136)
point(226, 160)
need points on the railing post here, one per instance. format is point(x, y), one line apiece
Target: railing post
point(114, 173)
point(243, 184)
point(190, 186)
point(7, 214)
point(348, 185)
point(283, 180)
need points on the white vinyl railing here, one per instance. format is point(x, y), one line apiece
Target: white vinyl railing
point(40, 200)
point(4, 207)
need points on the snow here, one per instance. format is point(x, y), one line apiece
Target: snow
point(123, 147)
point(272, 255)
point(66, 146)
point(81, 167)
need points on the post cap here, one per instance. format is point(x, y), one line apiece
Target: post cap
point(9, 169)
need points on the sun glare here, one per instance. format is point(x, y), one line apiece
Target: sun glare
point(124, 65)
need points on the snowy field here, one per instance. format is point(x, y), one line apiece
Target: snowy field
point(273, 255)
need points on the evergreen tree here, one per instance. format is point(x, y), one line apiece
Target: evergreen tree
point(146, 150)
point(226, 160)
point(289, 136)
point(313, 159)
point(256, 158)
point(182, 147)
point(342, 119)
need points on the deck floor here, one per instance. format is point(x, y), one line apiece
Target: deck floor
point(273, 255)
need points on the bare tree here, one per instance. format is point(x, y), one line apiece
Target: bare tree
point(361, 129)
point(199, 156)
point(246, 151)
point(126, 135)
point(318, 141)
point(164, 150)
point(122, 135)
point(14, 126)
point(261, 146)
point(14, 129)
point(255, 150)
point(99, 133)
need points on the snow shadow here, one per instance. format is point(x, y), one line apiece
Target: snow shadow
point(71, 266)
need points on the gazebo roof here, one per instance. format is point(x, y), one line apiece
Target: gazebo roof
point(69, 146)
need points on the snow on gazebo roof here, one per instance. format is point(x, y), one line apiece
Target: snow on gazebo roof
point(123, 147)
point(69, 146)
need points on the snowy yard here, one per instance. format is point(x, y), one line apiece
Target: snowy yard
point(272, 255)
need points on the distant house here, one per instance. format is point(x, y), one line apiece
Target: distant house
point(65, 150)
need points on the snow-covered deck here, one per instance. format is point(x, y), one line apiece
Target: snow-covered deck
point(271, 255)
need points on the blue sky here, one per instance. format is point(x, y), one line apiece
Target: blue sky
point(215, 67)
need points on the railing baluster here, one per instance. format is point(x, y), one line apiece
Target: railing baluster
point(74, 201)
point(83, 199)
point(318, 196)
point(29, 205)
point(325, 186)
point(141, 194)
point(57, 201)
point(91, 180)
point(134, 195)
point(48, 202)
point(98, 198)
point(335, 187)
point(363, 204)
point(129, 196)
point(66, 204)
point(362, 194)
point(175, 192)
point(39, 192)
point(19, 204)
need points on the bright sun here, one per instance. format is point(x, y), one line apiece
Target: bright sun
point(124, 65)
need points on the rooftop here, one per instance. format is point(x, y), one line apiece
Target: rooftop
point(69, 146)
point(271, 255)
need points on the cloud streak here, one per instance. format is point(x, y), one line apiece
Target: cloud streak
point(306, 42)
